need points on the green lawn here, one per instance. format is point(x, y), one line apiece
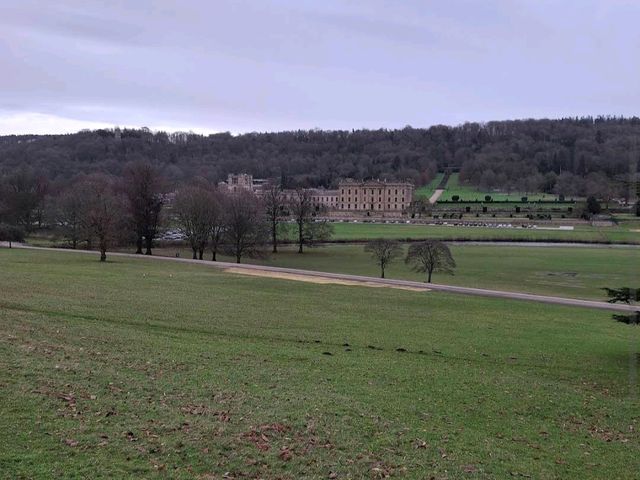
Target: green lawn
point(140, 369)
point(430, 188)
point(575, 272)
point(582, 233)
point(468, 192)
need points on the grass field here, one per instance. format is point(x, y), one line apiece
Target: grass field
point(575, 272)
point(468, 192)
point(430, 188)
point(581, 233)
point(139, 369)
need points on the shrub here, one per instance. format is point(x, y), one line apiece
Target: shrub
point(593, 207)
point(487, 198)
point(467, 209)
point(518, 209)
point(455, 198)
point(525, 199)
point(633, 319)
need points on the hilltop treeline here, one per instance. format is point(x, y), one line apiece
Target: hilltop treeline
point(571, 156)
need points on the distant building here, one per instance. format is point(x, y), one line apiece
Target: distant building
point(237, 182)
point(374, 196)
point(324, 199)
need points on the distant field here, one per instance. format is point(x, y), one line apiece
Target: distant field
point(582, 233)
point(142, 369)
point(575, 272)
point(467, 192)
point(428, 190)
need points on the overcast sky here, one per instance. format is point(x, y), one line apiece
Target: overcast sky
point(240, 66)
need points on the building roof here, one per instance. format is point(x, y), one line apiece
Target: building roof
point(373, 183)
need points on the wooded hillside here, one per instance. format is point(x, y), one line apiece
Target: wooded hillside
point(569, 156)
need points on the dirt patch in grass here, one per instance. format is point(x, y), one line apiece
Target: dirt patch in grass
point(320, 280)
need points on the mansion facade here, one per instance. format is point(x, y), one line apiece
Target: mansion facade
point(374, 196)
point(352, 198)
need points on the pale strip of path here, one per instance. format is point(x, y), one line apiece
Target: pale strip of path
point(359, 279)
point(436, 195)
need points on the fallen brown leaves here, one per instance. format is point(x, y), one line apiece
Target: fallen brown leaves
point(263, 435)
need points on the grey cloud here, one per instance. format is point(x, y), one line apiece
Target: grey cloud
point(240, 65)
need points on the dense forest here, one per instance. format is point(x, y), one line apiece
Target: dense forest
point(572, 156)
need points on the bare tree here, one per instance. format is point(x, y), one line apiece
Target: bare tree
point(383, 252)
point(24, 192)
point(274, 202)
point(309, 231)
point(69, 213)
point(104, 213)
point(245, 232)
point(194, 212)
point(11, 233)
point(144, 188)
point(218, 224)
point(429, 257)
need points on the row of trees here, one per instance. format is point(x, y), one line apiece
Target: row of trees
point(101, 210)
point(245, 225)
point(555, 156)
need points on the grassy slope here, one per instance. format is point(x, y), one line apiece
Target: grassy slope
point(360, 231)
point(467, 192)
point(140, 369)
point(574, 272)
point(430, 188)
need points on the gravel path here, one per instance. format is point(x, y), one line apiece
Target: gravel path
point(436, 195)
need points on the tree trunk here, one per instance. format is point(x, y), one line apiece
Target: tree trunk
point(238, 258)
point(274, 239)
point(429, 279)
point(103, 255)
point(300, 238)
point(148, 244)
point(194, 253)
point(213, 258)
point(382, 272)
point(139, 245)
point(200, 253)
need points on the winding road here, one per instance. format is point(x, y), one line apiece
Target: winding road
point(367, 281)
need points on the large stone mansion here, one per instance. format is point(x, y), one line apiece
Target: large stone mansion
point(378, 198)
